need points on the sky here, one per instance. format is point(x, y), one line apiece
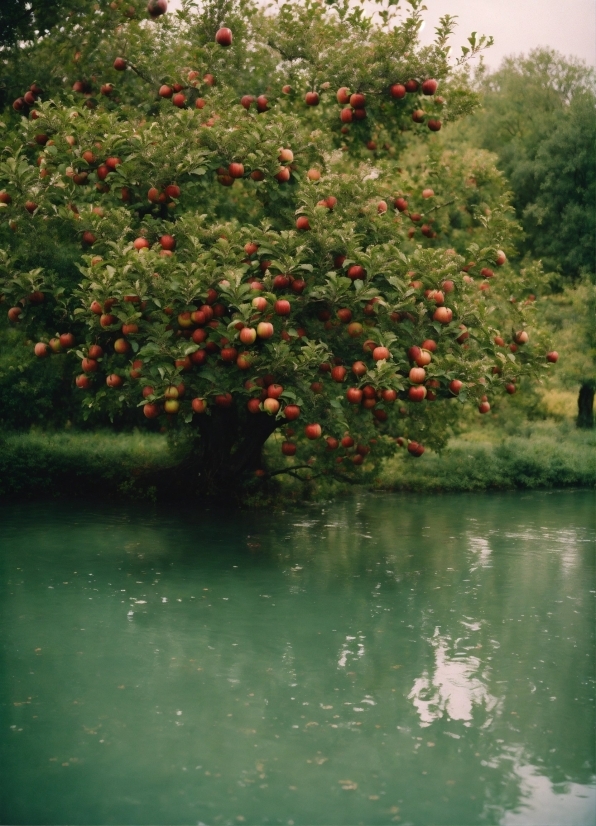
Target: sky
point(569, 26)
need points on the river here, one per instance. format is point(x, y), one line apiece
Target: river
point(380, 659)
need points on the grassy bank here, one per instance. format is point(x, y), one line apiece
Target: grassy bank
point(127, 466)
point(70, 463)
point(540, 455)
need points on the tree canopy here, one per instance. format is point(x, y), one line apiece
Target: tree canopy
point(224, 222)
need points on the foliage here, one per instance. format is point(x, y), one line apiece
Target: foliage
point(542, 455)
point(161, 229)
point(539, 117)
point(27, 20)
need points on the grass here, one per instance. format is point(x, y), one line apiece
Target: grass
point(71, 462)
point(539, 455)
point(497, 456)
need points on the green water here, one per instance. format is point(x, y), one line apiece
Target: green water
point(383, 659)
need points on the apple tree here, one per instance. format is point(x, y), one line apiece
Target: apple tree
point(229, 222)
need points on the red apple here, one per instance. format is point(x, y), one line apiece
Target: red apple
point(429, 87)
point(274, 391)
point(443, 315)
point(343, 95)
point(313, 431)
point(302, 223)
point(67, 340)
point(311, 99)
point(455, 386)
point(332, 443)
point(338, 373)
point(484, 406)
point(291, 412)
point(417, 375)
point(418, 116)
point(151, 410)
point(121, 345)
point(522, 337)
point(223, 36)
point(247, 335)
point(288, 448)
point(157, 7)
point(501, 258)
point(380, 353)
point(355, 272)
point(388, 395)
point(359, 368)
point(354, 395)
point(282, 307)
point(228, 354)
point(415, 449)
point(260, 303)
point(236, 170)
point(114, 380)
point(345, 315)
point(167, 242)
point(265, 329)
point(271, 406)
point(417, 393)
point(434, 125)
point(398, 91)
point(552, 357)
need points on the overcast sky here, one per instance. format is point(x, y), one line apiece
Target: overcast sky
point(569, 26)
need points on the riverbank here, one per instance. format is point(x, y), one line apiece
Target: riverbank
point(104, 465)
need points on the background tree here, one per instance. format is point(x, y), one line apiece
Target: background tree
point(539, 117)
point(211, 221)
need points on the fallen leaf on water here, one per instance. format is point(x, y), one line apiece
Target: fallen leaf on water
point(373, 797)
point(326, 708)
point(320, 760)
point(348, 785)
point(311, 724)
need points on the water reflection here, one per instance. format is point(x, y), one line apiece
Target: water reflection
point(458, 682)
point(339, 666)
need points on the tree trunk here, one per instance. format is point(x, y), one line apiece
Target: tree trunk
point(226, 452)
point(585, 405)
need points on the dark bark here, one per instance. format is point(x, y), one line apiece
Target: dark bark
point(226, 452)
point(585, 405)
